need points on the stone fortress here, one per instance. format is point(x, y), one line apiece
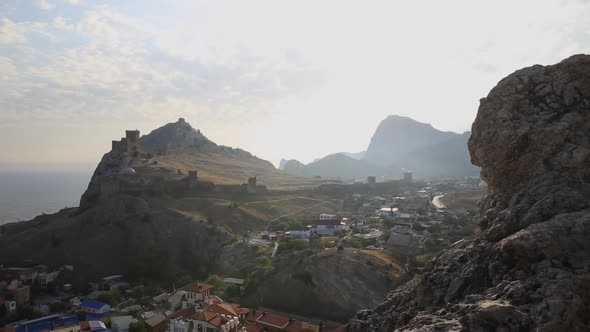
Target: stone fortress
point(120, 177)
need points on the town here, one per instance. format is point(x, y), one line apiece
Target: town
point(411, 225)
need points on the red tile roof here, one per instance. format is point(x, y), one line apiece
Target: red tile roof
point(210, 317)
point(197, 287)
point(185, 313)
point(273, 320)
point(223, 308)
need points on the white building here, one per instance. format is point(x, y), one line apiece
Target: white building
point(328, 216)
point(195, 293)
point(44, 279)
point(388, 212)
point(122, 323)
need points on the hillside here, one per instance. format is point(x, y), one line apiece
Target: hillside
point(337, 165)
point(299, 277)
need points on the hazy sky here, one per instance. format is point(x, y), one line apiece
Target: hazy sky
point(294, 79)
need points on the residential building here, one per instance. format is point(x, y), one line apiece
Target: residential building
point(156, 323)
point(298, 234)
point(94, 307)
point(328, 216)
point(196, 293)
point(388, 212)
point(122, 323)
point(46, 278)
point(327, 226)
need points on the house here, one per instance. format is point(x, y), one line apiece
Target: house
point(195, 293)
point(204, 320)
point(264, 321)
point(327, 226)
point(298, 234)
point(156, 323)
point(94, 307)
point(328, 216)
point(122, 323)
point(388, 212)
point(92, 325)
point(46, 278)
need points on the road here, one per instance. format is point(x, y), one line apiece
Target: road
point(437, 203)
point(274, 251)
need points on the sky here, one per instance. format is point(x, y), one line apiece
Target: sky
point(281, 79)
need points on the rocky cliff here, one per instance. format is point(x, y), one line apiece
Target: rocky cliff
point(530, 268)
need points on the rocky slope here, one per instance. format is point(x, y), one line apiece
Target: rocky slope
point(329, 284)
point(530, 268)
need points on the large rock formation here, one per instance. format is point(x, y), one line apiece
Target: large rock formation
point(530, 268)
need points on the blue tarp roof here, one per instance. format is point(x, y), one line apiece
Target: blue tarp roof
point(46, 323)
point(34, 327)
point(92, 304)
point(99, 316)
point(67, 320)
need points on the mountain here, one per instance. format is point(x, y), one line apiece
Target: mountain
point(282, 164)
point(399, 143)
point(355, 155)
point(336, 165)
point(417, 146)
point(528, 268)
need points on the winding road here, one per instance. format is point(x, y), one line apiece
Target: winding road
point(437, 203)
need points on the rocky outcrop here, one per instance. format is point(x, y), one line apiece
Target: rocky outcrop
point(530, 268)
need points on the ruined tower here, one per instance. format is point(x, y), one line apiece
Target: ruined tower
point(252, 185)
point(132, 138)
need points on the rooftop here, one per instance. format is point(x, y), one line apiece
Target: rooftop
point(197, 287)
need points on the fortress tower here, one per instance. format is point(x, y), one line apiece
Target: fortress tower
point(251, 185)
point(132, 138)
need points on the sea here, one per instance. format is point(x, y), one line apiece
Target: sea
point(27, 194)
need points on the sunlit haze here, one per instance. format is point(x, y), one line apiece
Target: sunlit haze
point(281, 79)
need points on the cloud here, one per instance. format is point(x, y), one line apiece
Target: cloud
point(15, 33)
point(60, 23)
point(44, 5)
point(7, 69)
point(12, 33)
